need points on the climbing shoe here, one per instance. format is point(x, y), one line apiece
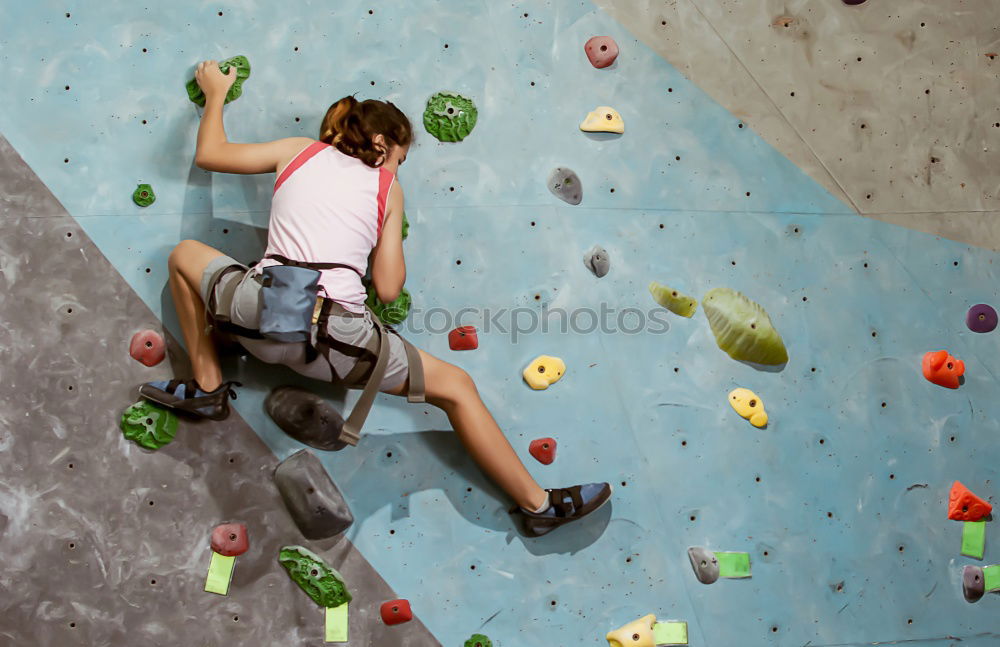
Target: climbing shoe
point(565, 505)
point(186, 396)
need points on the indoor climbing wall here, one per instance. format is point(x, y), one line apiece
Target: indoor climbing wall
point(840, 501)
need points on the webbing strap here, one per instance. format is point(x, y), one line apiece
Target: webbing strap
point(313, 266)
point(415, 371)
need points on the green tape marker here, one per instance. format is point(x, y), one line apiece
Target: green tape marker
point(991, 578)
point(670, 633)
point(974, 539)
point(734, 565)
point(220, 574)
point(336, 624)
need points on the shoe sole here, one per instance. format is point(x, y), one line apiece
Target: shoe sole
point(611, 490)
point(153, 397)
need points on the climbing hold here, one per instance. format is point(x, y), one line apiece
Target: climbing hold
point(565, 184)
point(320, 582)
point(306, 417)
point(597, 261)
point(704, 563)
point(396, 612)
point(601, 50)
point(638, 633)
point(148, 425)
point(143, 195)
point(312, 498)
point(478, 640)
point(391, 313)
point(963, 505)
point(672, 300)
point(543, 371)
point(942, 369)
point(854, 2)
point(981, 318)
point(463, 338)
point(749, 406)
point(406, 226)
point(543, 449)
point(743, 329)
point(450, 117)
point(242, 66)
point(603, 119)
point(147, 346)
point(973, 583)
point(230, 539)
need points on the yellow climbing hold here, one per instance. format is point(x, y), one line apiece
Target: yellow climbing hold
point(672, 300)
point(748, 405)
point(603, 119)
point(543, 371)
point(638, 633)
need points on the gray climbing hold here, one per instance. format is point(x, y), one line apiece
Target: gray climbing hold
point(704, 563)
point(973, 583)
point(306, 417)
point(566, 185)
point(312, 498)
point(597, 261)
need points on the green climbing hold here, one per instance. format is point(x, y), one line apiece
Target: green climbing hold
point(672, 300)
point(406, 226)
point(390, 313)
point(742, 328)
point(242, 66)
point(478, 640)
point(149, 426)
point(450, 117)
point(320, 582)
point(143, 195)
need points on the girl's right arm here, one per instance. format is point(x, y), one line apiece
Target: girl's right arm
point(215, 152)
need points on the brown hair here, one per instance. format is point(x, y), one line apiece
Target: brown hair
point(350, 125)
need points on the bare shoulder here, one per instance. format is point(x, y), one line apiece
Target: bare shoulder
point(289, 147)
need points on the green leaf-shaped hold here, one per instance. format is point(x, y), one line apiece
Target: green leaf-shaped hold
point(672, 300)
point(390, 313)
point(143, 195)
point(320, 582)
point(148, 425)
point(450, 117)
point(242, 66)
point(742, 328)
point(478, 640)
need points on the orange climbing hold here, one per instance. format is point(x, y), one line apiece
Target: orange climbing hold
point(963, 505)
point(943, 369)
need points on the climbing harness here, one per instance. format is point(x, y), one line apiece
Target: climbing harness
point(293, 312)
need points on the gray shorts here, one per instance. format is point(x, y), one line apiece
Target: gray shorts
point(245, 312)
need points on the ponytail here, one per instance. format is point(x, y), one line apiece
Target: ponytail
point(350, 126)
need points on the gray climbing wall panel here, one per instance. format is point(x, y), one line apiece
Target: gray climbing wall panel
point(104, 543)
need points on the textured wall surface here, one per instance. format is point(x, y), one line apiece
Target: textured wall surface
point(689, 196)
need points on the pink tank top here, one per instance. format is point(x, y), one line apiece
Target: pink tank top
point(328, 208)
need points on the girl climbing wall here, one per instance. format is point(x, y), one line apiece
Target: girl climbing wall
point(337, 212)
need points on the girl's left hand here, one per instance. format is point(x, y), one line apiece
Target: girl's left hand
point(212, 81)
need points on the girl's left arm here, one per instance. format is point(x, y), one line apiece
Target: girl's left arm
point(387, 263)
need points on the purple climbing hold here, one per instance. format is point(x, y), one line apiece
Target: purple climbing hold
point(601, 50)
point(981, 318)
point(973, 583)
point(854, 2)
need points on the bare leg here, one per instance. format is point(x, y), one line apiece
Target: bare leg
point(453, 391)
point(187, 262)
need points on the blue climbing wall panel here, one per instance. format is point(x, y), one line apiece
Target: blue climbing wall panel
point(840, 501)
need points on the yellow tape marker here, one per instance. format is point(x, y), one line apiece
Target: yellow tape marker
point(220, 573)
point(336, 624)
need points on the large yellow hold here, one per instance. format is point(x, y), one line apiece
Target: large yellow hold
point(749, 406)
point(638, 633)
point(543, 371)
point(603, 119)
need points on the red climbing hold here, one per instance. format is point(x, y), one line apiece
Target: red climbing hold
point(147, 347)
point(230, 539)
point(601, 50)
point(943, 369)
point(463, 338)
point(544, 450)
point(963, 505)
point(396, 612)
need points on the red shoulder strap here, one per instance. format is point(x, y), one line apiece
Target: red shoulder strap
point(299, 160)
point(385, 179)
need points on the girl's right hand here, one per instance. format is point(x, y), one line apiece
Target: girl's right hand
point(212, 81)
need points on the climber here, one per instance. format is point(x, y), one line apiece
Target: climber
point(336, 212)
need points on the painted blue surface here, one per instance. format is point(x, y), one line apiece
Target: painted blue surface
point(644, 411)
